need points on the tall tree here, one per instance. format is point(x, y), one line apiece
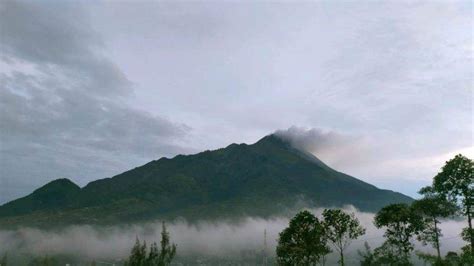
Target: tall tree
point(155, 257)
point(168, 250)
point(138, 254)
point(303, 242)
point(456, 182)
point(401, 223)
point(341, 228)
point(432, 207)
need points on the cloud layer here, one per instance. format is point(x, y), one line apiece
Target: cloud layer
point(217, 238)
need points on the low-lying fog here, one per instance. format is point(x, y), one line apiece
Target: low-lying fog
point(204, 238)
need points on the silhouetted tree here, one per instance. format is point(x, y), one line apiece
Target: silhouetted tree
point(341, 228)
point(452, 258)
point(303, 242)
point(168, 250)
point(401, 223)
point(44, 261)
point(155, 257)
point(138, 254)
point(456, 183)
point(386, 254)
point(3, 261)
point(432, 207)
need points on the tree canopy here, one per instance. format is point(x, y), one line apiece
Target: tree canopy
point(432, 207)
point(401, 223)
point(303, 242)
point(456, 182)
point(341, 228)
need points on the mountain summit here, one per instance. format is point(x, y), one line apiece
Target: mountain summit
point(261, 179)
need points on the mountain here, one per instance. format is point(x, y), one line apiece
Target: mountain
point(262, 179)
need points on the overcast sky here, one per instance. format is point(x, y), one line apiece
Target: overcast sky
point(380, 90)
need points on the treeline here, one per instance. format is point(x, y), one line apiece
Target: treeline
point(308, 240)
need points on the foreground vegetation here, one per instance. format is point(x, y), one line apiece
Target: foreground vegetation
point(306, 241)
point(162, 257)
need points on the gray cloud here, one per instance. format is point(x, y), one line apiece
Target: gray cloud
point(338, 150)
point(391, 80)
point(63, 109)
point(380, 161)
point(57, 37)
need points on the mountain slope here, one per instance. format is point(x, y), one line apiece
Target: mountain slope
point(52, 196)
point(260, 179)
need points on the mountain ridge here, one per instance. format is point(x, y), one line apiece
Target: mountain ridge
point(259, 179)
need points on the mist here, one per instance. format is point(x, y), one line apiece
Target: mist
point(206, 238)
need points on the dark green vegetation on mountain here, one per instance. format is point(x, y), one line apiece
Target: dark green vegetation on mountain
point(262, 179)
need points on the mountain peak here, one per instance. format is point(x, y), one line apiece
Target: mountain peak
point(62, 184)
point(274, 139)
point(54, 195)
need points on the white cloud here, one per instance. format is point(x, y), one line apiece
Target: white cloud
point(208, 238)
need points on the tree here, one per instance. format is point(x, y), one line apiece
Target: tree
point(3, 261)
point(168, 251)
point(341, 228)
point(155, 257)
point(303, 242)
point(43, 261)
point(452, 258)
point(456, 183)
point(386, 254)
point(368, 257)
point(138, 254)
point(401, 223)
point(467, 257)
point(432, 207)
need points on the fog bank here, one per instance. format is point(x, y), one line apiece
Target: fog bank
point(205, 238)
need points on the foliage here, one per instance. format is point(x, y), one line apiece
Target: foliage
point(429, 258)
point(3, 261)
point(138, 254)
point(452, 258)
point(367, 256)
point(432, 207)
point(467, 256)
point(401, 223)
point(456, 182)
point(303, 242)
point(155, 257)
point(387, 254)
point(341, 228)
point(44, 261)
point(168, 250)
